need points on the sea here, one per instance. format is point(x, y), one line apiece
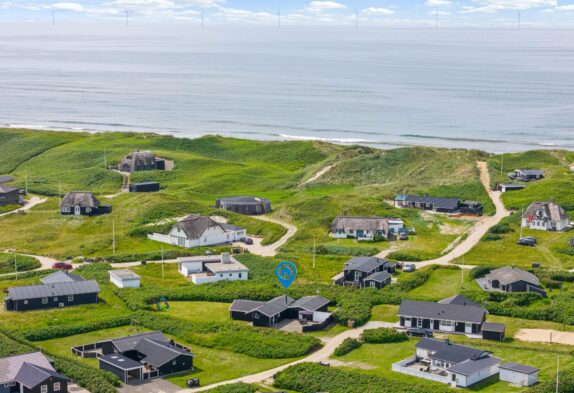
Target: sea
point(492, 90)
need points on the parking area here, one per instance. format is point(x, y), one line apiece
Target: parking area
point(156, 385)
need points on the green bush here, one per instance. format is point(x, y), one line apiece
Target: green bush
point(64, 330)
point(254, 342)
point(339, 250)
point(401, 256)
point(491, 237)
point(501, 228)
point(347, 346)
point(383, 336)
point(234, 388)
point(480, 271)
point(566, 251)
point(312, 378)
point(566, 384)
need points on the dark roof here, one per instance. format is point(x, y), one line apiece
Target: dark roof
point(451, 312)
point(447, 351)
point(245, 306)
point(470, 367)
point(460, 300)
point(4, 189)
point(244, 200)
point(10, 366)
point(440, 203)
point(364, 264)
point(120, 361)
point(160, 352)
point(59, 277)
point(493, 327)
point(276, 305)
point(144, 183)
point(310, 303)
point(50, 290)
point(31, 375)
point(194, 225)
point(129, 343)
point(531, 172)
point(508, 275)
point(378, 276)
point(520, 368)
point(229, 227)
point(138, 159)
point(82, 199)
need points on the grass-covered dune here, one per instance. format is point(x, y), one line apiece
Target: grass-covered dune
point(360, 182)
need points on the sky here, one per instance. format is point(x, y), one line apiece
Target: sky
point(351, 13)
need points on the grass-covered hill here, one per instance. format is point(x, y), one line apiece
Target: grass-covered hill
point(212, 166)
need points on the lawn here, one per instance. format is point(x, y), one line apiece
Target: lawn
point(10, 263)
point(377, 359)
point(385, 312)
point(200, 311)
point(211, 365)
point(443, 283)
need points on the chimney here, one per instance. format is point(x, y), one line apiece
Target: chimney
point(225, 257)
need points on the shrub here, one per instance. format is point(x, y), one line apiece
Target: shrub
point(347, 346)
point(311, 378)
point(401, 256)
point(566, 251)
point(339, 250)
point(383, 336)
point(501, 228)
point(480, 271)
point(234, 388)
point(490, 237)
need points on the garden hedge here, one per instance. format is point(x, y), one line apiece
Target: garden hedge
point(383, 336)
point(348, 345)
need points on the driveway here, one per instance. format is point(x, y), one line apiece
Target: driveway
point(34, 201)
point(155, 385)
point(321, 355)
point(269, 250)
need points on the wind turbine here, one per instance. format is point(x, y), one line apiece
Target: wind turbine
point(278, 17)
point(53, 17)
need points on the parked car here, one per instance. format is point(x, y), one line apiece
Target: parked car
point(419, 332)
point(325, 364)
point(403, 236)
point(62, 265)
point(247, 240)
point(536, 264)
point(529, 241)
point(409, 267)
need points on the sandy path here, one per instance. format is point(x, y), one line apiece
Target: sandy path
point(545, 336)
point(321, 355)
point(318, 174)
point(34, 201)
point(269, 250)
point(479, 229)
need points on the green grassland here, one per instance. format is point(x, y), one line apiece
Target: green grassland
point(10, 263)
point(376, 359)
point(211, 167)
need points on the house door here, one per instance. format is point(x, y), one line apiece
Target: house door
point(468, 327)
point(360, 233)
point(77, 210)
point(408, 322)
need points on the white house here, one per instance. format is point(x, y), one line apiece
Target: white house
point(196, 231)
point(213, 268)
point(545, 216)
point(365, 228)
point(518, 374)
point(453, 364)
point(124, 278)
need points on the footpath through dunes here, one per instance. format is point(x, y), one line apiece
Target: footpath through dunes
point(477, 231)
point(321, 355)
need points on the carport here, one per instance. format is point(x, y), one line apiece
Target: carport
point(126, 369)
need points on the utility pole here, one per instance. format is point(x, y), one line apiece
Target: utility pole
point(557, 373)
point(26, 182)
point(162, 265)
point(501, 163)
point(15, 262)
point(105, 160)
point(60, 194)
point(521, 226)
point(113, 236)
point(314, 248)
point(462, 271)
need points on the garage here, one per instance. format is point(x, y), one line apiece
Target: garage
point(126, 369)
point(493, 331)
point(518, 374)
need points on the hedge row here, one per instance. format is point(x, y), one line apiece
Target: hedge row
point(339, 250)
point(94, 380)
point(63, 330)
point(348, 345)
point(257, 343)
point(312, 378)
point(234, 388)
point(383, 336)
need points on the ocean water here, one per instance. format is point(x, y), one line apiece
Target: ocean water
point(494, 90)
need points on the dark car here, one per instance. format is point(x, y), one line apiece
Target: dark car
point(247, 240)
point(192, 383)
point(409, 267)
point(527, 241)
point(62, 265)
point(403, 236)
point(419, 332)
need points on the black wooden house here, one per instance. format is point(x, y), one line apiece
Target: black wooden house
point(30, 373)
point(365, 272)
point(59, 290)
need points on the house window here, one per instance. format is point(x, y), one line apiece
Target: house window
point(70, 298)
point(25, 301)
point(44, 389)
point(240, 275)
point(55, 299)
point(446, 323)
point(88, 210)
point(181, 241)
point(419, 322)
point(373, 284)
point(256, 316)
point(56, 386)
point(174, 363)
point(44, 300)
point(357, 276)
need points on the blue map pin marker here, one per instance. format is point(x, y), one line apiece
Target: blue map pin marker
point(286, 273)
